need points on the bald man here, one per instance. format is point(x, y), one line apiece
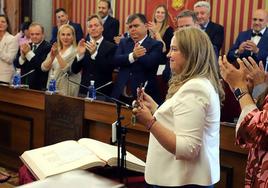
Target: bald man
point(253, 42)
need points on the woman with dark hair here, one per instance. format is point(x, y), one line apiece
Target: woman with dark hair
point(8, 50)
point(252, 125)
point(183, 149)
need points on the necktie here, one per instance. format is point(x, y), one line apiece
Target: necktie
point(34, 47)
point(253, 34)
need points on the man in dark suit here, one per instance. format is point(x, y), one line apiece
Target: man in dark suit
point(253, 42)
point(94, 58)
point(110, 24)
point(62, 18)
point(31, 56)
point(214, 31)
point(186, 18)
point(137, 58)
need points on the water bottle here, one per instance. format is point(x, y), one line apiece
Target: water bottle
point(266, 65)
point(91, 94)
point(52, 83)
point(17, 79)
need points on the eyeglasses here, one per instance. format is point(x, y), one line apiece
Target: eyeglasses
point(256, 19)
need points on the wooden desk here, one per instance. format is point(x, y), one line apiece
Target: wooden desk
point(22, 124)
point(22, 127)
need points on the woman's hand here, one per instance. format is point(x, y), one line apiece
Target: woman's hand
point(81, 47)
point(257, 74)
point(143, 114)
point(54, 50)
point(152, 28)
point(236, 78)
point(146, 100)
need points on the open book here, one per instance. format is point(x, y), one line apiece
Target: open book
point(69, 155)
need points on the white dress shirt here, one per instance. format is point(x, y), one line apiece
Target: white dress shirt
point(256, 39)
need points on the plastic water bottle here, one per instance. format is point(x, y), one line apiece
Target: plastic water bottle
point(91, 94)
point(52, 83)
point(17, 78)
point(266, 65)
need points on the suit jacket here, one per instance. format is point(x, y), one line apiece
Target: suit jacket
point(99, 69)
point(262, 45)
point(37, 79)
point(142, 70)
point(8, 50)
point(78, 32)
point(111, 29)
point(216, 34)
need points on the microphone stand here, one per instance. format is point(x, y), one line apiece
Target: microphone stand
point(121, 143)
point(120, 131)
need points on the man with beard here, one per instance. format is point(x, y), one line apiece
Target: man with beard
point(62, 18)
point(253, 42)
point(110, 24)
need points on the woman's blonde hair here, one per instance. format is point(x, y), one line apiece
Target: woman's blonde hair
point(200, 58)
point(64, 26)
point(164, 25)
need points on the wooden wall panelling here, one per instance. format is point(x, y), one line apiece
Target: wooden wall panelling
point(12, 10)
point(25, 10)
point(24, 130)
point(66, 4)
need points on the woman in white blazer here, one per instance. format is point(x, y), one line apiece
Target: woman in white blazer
point(183, 148)
point(8, 50)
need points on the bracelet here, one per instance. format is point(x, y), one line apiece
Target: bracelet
point(239, 93)
point(242, 95)
point(151, 123)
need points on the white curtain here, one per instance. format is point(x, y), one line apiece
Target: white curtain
point(2, 5)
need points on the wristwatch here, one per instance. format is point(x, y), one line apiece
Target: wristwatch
point(239, 93)
point(236, 54)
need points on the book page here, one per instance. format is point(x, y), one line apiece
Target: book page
point(60, 157)
point(108, 153)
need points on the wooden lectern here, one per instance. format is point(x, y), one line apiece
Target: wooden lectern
point(63, 118)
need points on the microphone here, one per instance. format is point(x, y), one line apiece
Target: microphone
point(27, 73)
point(22, 76)
point(5, 83)
point(102, 94)
point(68, 73)
point(108, 83)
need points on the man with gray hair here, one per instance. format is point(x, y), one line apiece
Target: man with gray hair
point(214, 31)
point(186, 18)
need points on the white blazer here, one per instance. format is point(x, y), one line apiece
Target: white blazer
point(8, 50)
point(193, 114)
